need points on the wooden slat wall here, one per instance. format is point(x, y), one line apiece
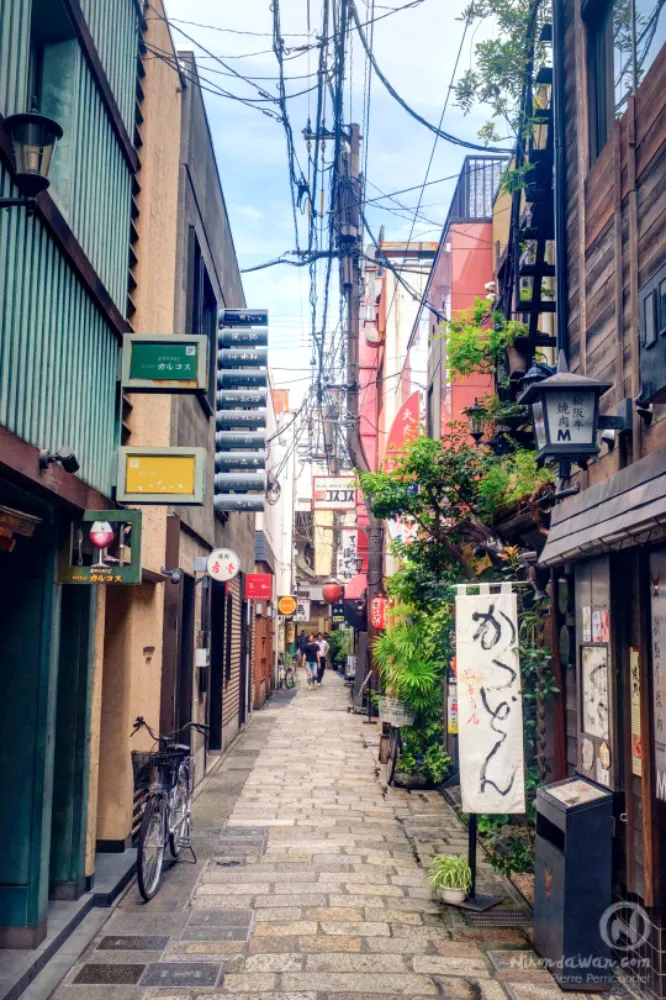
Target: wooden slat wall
point(231, 693)
point(616, 232)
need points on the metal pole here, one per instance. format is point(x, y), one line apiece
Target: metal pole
point(471, 852)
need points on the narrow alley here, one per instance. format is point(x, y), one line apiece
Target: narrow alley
point(310, 884)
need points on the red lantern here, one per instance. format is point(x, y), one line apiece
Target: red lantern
point(332, 591)
point(378, 612)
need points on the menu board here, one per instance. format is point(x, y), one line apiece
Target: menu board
point(658, 612)
point(575, 792)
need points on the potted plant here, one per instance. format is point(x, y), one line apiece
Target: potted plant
point(450, 878)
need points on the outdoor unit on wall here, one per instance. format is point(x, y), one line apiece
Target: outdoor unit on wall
point(240, 421)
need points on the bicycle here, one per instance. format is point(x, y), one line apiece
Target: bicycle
point(286, 676)
point(167, 774)
point(394, 714)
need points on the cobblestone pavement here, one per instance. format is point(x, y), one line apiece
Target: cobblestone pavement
point(309, 885)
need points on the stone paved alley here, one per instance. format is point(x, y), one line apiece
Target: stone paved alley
point(310, 884)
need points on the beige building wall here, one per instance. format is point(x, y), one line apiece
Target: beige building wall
point(323, 542)
point(130, 684)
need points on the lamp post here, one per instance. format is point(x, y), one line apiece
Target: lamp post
point(33, 138)
point(565, 413)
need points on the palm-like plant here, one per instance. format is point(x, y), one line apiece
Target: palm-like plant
point(406, 665)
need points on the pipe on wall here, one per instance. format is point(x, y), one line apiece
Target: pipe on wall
point(561, 277)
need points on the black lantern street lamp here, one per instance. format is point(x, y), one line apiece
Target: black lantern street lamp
point(33, 138)
point(475, 417)
point(565, 412)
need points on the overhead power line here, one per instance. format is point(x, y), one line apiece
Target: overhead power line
point(447, 136)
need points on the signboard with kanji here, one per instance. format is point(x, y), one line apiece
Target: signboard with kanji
point(258, 586)
point(223, 565)
point(104, 546)
point(490, 710)
point(164, 363)
point(346, 560)
point(658, 609)
point(161, 476)
point(378, 612)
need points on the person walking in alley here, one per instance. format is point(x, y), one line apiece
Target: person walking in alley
point(312, 660)
point(323, 653)
point(300, 647)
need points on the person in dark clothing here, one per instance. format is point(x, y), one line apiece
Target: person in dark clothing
point(302, 643)
point(312, 661)
point(323, 653)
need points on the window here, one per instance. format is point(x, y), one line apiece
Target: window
point(201, 308)
point(616, 29)
point(649, 319)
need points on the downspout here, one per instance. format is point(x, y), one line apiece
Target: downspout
point(561, 275)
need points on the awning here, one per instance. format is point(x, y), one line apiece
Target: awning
point(356, 587)
point(627, 509)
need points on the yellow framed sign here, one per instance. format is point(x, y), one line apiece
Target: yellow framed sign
point(174, 476)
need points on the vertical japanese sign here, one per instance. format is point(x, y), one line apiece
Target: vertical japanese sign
point(346, 564)
point(490, 712)
point(658, 592)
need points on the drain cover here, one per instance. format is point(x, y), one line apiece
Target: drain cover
point(508, 916)
point(229, 864)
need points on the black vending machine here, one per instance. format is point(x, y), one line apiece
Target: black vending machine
point(572, 881)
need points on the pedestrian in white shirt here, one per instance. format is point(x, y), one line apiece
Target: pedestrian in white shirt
point(323, 653)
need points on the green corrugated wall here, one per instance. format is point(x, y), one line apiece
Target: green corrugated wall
point(114, 27)
point(58, 355)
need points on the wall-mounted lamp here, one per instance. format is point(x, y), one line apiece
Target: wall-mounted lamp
point(475, 416)
point(175, 575)
point(65, 456)
point(33, 139)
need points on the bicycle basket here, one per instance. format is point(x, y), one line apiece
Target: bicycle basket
point(397, 713)
point(155, 767)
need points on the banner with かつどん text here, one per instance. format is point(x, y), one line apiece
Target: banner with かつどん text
point(490, 712)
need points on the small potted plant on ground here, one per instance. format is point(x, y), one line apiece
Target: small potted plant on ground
point(450, 878)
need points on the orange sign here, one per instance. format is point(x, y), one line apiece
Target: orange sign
point(287, 605)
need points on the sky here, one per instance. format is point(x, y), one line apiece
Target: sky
point(416, 48)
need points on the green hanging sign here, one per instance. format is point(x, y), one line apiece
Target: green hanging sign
point(165, 363)
point(103, 546)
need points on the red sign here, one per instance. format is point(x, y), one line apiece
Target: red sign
point(378, 612)
point(405, 428)
point(258, 586)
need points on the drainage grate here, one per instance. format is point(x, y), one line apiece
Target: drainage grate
point(229, 864)
point(508, 916)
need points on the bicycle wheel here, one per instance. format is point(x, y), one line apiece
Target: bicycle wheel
point(180, 807)
point(289, 678)
point(150, 848)
point(392, 755)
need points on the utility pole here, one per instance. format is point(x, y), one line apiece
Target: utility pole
point(350, 242)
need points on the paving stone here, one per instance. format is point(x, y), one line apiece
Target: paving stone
point(491, 935)
point(393, 916)
point(133, 942)
point(233, 889)
point(360, 983)
point(334, 913)
point(258, 996)
point(359, 928)
point(206, 948)
point(254, 982)
point(337, 943)
point(287, 962)
point(99, 974)
point(196, 974)
point(295, 929)
point(273, 945)
point(306, 899)
point(441, 965)
point(221, 918)
point(349, 962)
point(279, 914)
point(220, 934)
point(397, 946)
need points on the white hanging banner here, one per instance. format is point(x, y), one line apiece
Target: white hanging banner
point(346, 564)
point(490, 710)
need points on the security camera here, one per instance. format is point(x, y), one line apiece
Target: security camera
point(68, 459)
point(175, 575)
point(65, 456)
point(609, 438)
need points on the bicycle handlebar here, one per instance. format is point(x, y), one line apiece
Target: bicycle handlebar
point(140, 723)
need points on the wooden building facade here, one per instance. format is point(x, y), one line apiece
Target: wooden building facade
point(606, 544)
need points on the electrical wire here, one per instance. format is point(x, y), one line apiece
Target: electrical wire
point(447, 136)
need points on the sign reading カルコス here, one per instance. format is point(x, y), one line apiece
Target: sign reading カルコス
point(333, 492)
